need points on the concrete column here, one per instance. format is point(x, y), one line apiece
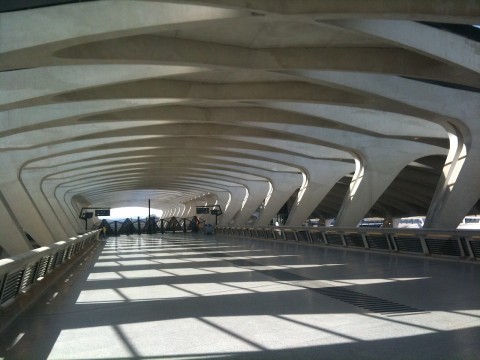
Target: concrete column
point(283, 186)
point(48, 188)
point(13, 239)
point(222, 199)
point(32, 184)
point(234, 204)
point(20, 211)
point(461, 109)
point(316, 185)
point(26, 212)
point(257, 192)
point(65, 201)
point(190, 209)
point(179, 210)
point(458, 189)
point(373, 174)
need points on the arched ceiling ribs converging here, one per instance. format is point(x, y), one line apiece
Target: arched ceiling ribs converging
point(170, 100)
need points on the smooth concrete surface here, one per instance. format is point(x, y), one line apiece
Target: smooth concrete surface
point(331, 109)
point(196, 297)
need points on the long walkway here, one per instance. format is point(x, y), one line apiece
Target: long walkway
point(196, 297)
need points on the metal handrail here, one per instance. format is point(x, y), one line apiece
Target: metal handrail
point(20, 272)
point(460, 244)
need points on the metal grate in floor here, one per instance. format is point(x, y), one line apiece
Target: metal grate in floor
point(368, 302)
point(364, 301)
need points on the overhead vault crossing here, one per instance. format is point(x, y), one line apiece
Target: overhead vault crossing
point(342, 109)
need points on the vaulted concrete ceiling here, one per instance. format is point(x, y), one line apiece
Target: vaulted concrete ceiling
point(111, 103)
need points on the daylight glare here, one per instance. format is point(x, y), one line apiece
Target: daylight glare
point(132, 212)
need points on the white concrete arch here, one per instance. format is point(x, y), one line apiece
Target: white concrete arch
point(115, 102)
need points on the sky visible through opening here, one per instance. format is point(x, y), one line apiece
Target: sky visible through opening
point(132, 212)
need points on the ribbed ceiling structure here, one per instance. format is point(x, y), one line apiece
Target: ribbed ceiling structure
point(338, 108)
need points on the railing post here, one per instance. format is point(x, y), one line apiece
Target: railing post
point(460, 246)
point(2, 286)
point(325, 239)
point(37, 268)
point(365, 242)
point(391, 240)
point(425, 249)
point(309, 235)
point(471, 254)
point(184, 225)
point(343, 239)
point(116, 232)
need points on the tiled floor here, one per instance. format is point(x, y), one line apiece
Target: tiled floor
point(196, 297)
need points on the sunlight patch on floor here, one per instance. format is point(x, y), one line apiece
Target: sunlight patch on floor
point(100, 342)
point(166, 292)
point(128, 274)
point(358, 326)
point(249, 333)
